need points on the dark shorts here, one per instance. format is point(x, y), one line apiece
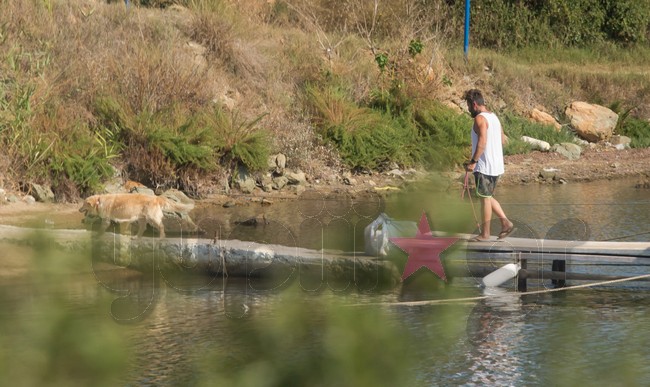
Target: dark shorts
point(485, 184)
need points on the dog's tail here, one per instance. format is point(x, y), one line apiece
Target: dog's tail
point(174, 206)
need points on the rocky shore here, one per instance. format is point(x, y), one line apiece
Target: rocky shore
point(595, 163)
point(598, 163)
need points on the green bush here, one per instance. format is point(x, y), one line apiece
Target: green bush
point(627, 20)
point(447, 133)
point(159, 146)
point(314, 343)
point(80, 162)
point(507, 24)
point(574, 23)
point(240, 141)
point(577, 22)
point(515, 126)
point(365, 138)
point(638, 130)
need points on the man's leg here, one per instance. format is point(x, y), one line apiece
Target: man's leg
point(486, 217)
point(498, 211)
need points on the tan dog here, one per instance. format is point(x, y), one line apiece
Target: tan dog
point(127, 208)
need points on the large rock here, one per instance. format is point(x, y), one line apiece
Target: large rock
point(42, 193)
point(620, 142)
point(537, 144)
point(277, 163)
point(544, 118)
point(179, 222)
point(594, 123)
point(568, 150)
point(243, 181)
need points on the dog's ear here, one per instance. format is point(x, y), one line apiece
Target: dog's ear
point(96, 201)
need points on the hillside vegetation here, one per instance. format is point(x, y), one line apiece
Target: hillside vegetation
point(180, 93)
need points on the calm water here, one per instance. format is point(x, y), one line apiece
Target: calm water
point(219, 331)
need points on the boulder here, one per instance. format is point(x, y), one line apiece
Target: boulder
point(244, 181)
point(267, 183)
point(593, 123)
point(178, 222)
point(548, 174)
point(42, 193)
point(297, 178)
point(280, 182)
point(618, 140)
point(177, 196)
point(142, 190)
point(281, 162)
point(544, 118)
point(568, 150)
point(537, 144)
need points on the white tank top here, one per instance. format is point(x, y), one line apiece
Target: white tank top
point(491, 161)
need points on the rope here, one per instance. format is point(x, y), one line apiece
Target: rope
point(469, 194)
point(466, 299)
point(625, 236)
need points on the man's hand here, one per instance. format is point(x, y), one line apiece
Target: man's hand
point(469, 166)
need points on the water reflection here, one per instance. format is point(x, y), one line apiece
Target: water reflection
point(609, 209)
point(182, 329)
point(495, 328)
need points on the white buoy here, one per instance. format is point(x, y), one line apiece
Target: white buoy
point(501, 275)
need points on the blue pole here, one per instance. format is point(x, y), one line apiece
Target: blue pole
point(466, 40)
point(127, 3)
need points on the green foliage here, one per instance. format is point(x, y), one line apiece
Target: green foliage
point(516, 147)
point(364, 137)
point(382, 60)
point(394, 100)
point(240, 141)
point(577, 22)
point(82, 158)
point(506, 24)
point(196, 143)
point(186, 145)
point(52, 338)
point(627, 20)
point(447, 132)
point(515, 126)
point(573, 23)
point(638, 130)
point(415, 47)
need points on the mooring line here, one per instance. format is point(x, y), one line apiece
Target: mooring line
point(625, 236)
point(479, 298)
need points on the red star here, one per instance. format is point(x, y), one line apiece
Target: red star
point(424, 250)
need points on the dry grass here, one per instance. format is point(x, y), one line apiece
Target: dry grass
point(257, 58)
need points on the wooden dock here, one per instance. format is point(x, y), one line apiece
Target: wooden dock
point(555, 260)
point(544, 261)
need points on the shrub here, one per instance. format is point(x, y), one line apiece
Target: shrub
point(447, 134)
point(516, 126)
point(627, 20)
point(638, 130)
point(506, 24)
point(160, 148)
point(365, 138)
point(240, 141)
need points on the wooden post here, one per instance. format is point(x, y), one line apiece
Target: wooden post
point(559, 265)
point(521, 280)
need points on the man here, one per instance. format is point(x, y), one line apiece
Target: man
point(487, 163)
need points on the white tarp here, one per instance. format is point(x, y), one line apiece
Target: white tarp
point(384, 227)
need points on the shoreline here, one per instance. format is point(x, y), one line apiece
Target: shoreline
point(597, 164)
